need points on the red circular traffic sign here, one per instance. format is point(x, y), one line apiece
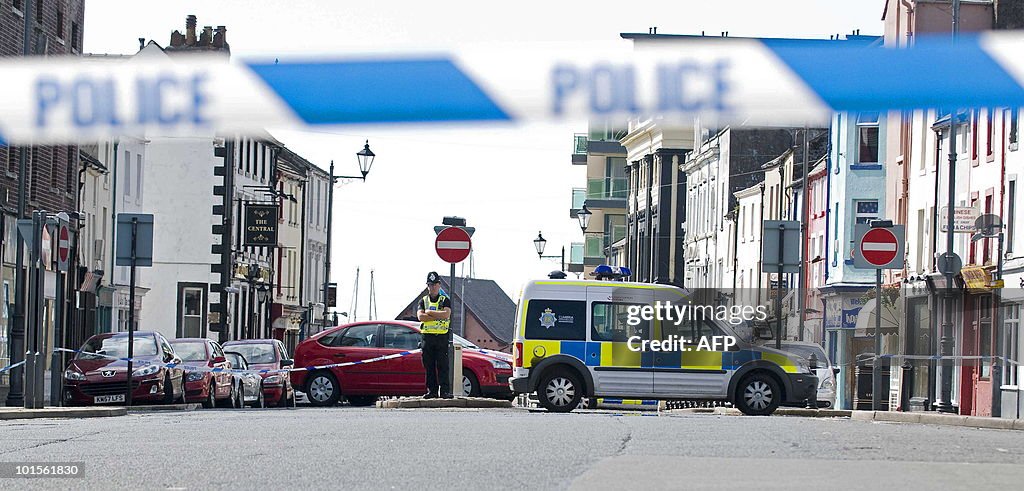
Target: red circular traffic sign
point(878, 246)
point(452, 245)
point(63, 244)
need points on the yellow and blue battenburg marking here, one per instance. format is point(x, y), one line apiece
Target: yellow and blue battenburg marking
point(618, 354)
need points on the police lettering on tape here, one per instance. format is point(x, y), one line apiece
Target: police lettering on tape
point(189, 368)
point(722, 81)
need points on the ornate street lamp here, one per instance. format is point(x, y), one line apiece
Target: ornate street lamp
point(584, 217)
point(540, 242)
point(365, 157)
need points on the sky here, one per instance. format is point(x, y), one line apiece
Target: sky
point(510, 181)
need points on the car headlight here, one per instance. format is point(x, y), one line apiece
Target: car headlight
point(70, 374)
point(194, 376)
point(273, 379)
point(147, 370)
point(828, 384)
point(501, 365)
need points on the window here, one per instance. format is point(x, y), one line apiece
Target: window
point(556, 319)
point(867, 138)
point(16, 4)
point(39, 11)
point(72, 170)
point(138, 178)
point(1013, 125)
point(987, 246)
point(990, 131)
point(690, 329)
point(400, 337)
point(127, 173)
point(60, 24)
point(13, 157)
point(974, 135)
point(362, 336)
point(866, 211)
point(1011, 326)
point(1011, 214)
point(191, 312)
point(74, 35)
point(611, 323)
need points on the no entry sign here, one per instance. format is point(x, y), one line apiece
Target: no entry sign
point(452, 245)
point(63, 248)
point(879, 248)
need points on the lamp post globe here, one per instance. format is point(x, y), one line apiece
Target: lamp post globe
point(539, 243)
point(365, 157)
point(584, 218)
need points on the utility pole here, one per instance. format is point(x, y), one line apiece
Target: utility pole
point(946, 341)
point(16, 394)
point(327, 257)
point(802, 288)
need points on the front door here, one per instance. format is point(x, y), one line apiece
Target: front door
point(620, 366)
point(983, 371)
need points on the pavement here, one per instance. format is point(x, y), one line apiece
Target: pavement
point(464, 448)
point(7, 413)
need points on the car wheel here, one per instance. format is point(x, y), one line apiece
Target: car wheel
point(238, 401)
point(323, 389)
point(168, 389)
point(260, 402)
point(470, 385)
point(211, 397)
point(362, 401)
point(758, 395)
point(560, 391)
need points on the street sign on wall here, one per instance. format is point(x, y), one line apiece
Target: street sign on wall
point(964, 219)
point(260, 225)
point(452, 245)
point(878, 248)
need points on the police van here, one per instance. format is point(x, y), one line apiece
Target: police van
point(576, 339)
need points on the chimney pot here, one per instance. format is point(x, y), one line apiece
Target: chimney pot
point(142, 43)
point(190, 30)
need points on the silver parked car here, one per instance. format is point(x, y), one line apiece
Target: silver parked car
point(251, 382)
point(826, 372)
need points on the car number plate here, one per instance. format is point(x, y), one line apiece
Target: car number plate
point(113, 398)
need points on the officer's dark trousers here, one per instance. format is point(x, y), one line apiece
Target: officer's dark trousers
point(435, 361)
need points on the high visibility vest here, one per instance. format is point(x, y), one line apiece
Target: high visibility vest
point(437, 326)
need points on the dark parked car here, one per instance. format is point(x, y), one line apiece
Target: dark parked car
point(268, 354)
point(212, 389)
point(97, 376)
point(485, 373)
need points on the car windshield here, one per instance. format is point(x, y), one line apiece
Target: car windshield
point(190, 351)
point(117, 346)
point(256, 353)
point(236, 360)
point(805, 351)
point(464, 342)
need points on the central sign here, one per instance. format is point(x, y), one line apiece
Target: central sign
point(878, 248)
point(453, 245)
point(260, 225)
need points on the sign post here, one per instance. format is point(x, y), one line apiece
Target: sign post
point(779, 259)
point(134, 249)
point(879, 246)
point(453, 245)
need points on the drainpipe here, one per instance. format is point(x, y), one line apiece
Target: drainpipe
point(910, 22)
point(113, 228)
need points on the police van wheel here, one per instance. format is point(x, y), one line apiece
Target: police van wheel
point(758, 395)
point(323, 389)
point(560, 391)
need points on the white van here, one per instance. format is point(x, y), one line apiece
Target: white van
point(576, 339)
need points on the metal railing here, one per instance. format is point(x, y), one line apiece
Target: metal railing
point(579, 144)
point(607, 188)
point(579, 195)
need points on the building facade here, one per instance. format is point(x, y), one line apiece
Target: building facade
point(604, 195)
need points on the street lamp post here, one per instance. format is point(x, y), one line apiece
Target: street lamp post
point(365, 158)
point(540, 243)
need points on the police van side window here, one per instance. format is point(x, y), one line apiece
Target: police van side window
point(610, 322)
point(564, 320)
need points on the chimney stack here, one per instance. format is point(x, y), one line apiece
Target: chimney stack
point(206, 37)
point(142, 43)
point(220, 37)
point(190, 30)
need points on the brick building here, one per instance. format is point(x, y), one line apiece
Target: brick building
point(50, 171)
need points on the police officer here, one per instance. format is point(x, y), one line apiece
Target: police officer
point(435, 312)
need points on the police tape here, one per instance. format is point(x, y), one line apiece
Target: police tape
point(721, 81)
point(189, 368)
point(11, 367)
point(860, 359)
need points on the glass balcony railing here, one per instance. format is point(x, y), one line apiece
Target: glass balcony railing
point(594, 246)
point(579, 146)
point(616, 234)
point(576, 253)
point(579, 195)
point(607, 188)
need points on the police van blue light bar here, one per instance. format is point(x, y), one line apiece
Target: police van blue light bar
point(738, 81)
point(606, 272)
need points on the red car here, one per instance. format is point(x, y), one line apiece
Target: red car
point(484, 373)
point(94, 379)
point(210, 388)
point(268, 354)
